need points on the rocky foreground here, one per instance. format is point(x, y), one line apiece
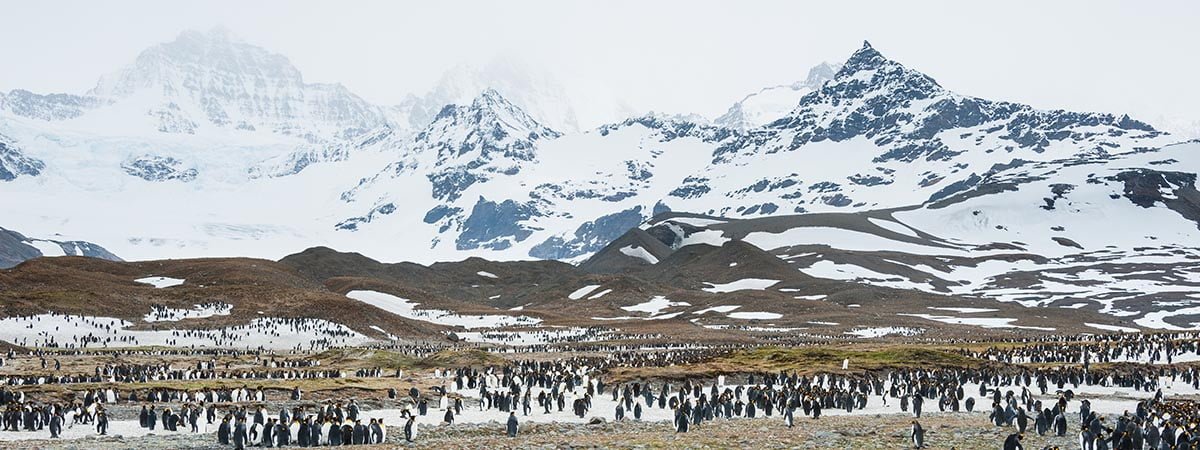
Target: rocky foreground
point(889, 431)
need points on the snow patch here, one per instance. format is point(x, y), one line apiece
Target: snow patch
point(405, 308)
point(579, 293)
point(721, 309)
point(984, 322)
point(875, 332)
point(757, 284)
point(812, 297)
point(160, 282)
point(754, 315)
point(654, 305)
point(963, 310)
point(601, 294)
point(47, 248)
point(164, 314)
point(893, 226)
point(639, 253)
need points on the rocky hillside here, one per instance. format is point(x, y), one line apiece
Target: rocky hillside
point(16, 248)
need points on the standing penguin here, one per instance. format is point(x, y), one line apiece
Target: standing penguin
point(512, 424)
point(410, 429)
point(1041, 423)
point(681, 421)
point(223, 432)
point(102, 423)
point(1022, 420)
point(240, 436)
point(1060, 425)
point(918, 435)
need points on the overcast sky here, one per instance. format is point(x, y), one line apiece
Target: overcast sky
point(670, 56)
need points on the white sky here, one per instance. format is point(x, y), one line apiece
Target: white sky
point(669, 56)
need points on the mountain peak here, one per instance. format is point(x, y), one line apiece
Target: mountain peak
point(488, 111)
point(214, 79)
point(867, 67)
point(538, 92)
point(507, 113)
point(490, 96)
point(196, 58)
point(821, 73)
point(865, 58)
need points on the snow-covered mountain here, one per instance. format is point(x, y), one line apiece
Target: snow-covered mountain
point(537, 92)
point(213, 80)
point(204, 107)
point(1118, 234)
point(900, 139)
point(464, 146)
point(771, 103)
point(488, 177)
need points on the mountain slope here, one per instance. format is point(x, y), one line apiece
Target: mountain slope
point(14, 163)
point(16, 248)
point(1115, 234)
point(465, 146)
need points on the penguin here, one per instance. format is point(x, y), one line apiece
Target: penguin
point(511, 427)
point(410, 429)
point(917, 435)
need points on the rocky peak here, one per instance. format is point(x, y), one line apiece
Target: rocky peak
point(906, 114)
point(865, 58)
point(474, 143)
point(867, 73)
point(490, 125)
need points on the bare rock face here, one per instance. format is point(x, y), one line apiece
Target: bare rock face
point(159, 168)
point(14, 163)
